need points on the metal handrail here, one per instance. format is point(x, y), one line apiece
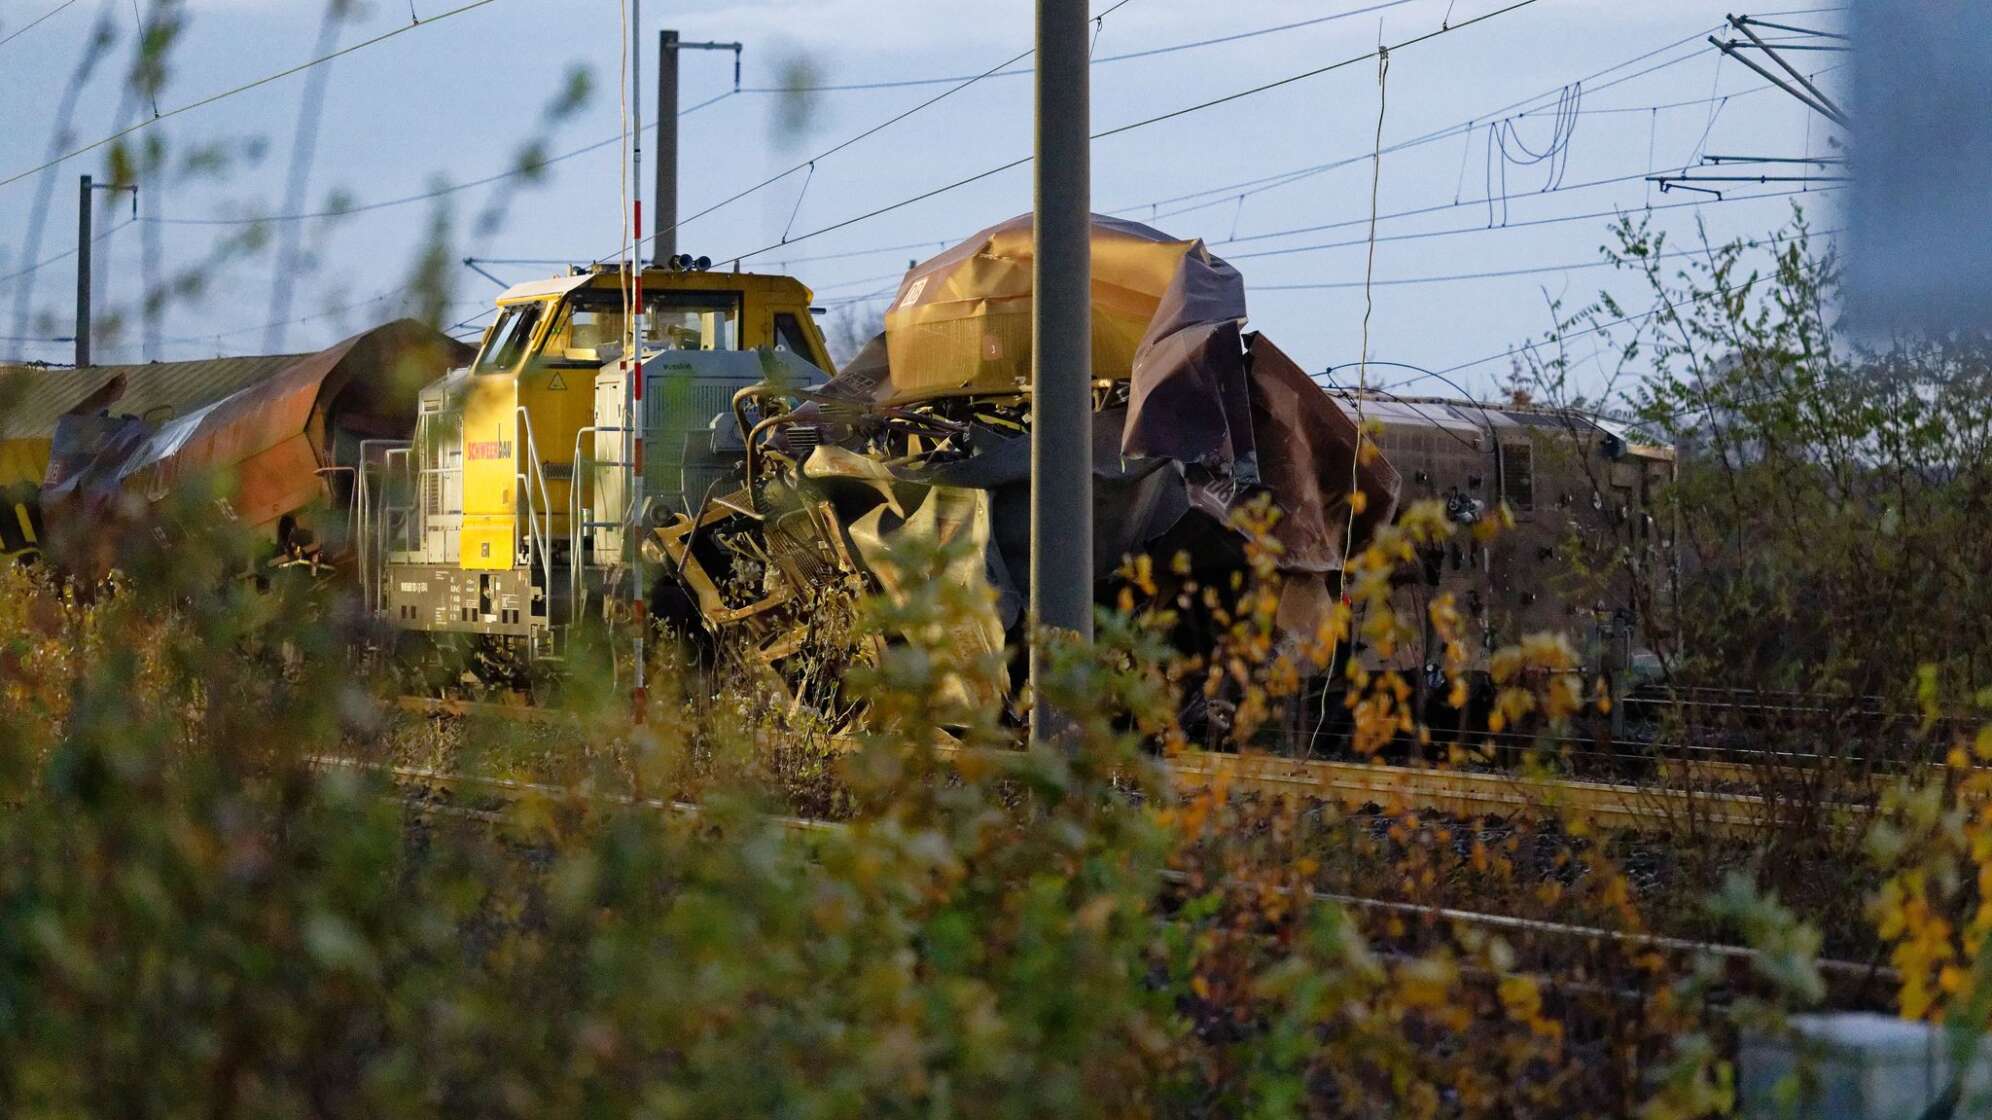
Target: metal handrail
point(324, 473)
point(363, 501)
point(574, 527)
point(388, 507)
point(537, 533)
point(387, 477)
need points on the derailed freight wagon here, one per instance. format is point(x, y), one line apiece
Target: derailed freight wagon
point(1588, 555)
point(925, 435)
point(101, 450)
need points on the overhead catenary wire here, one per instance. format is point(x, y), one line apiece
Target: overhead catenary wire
point(1151, 52)
point(1228, 188)
point(307, 318)
point(245, 87)
point(425, 196)
point(1225, 191)
point(1555, 220)
point(1147, 122)
point(1288, 178)
point(31, 24)
point(793, 240)
point(848, 141)
point(1362, 241)
point(1232, 198)
point(1565, 336)
point(63, 255)
point(1230, 191)
point(1452, 276)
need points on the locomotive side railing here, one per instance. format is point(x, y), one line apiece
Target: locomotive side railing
point(369, 547)
point(539, 528)
point(579, 516)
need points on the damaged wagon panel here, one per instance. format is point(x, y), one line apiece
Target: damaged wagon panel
point(925, 435)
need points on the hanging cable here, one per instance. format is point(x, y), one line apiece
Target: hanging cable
point(1652, 128)
point(1369, 303)
point(1356, 496)
point(1465, 149)
point(1502, 134)
point(799, 196)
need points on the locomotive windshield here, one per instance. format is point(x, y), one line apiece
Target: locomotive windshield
point(673, 320)
point(507, 344)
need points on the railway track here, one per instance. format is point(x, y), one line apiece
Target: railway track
point(423, 782)
point(1696, 798)
point(1466, 793)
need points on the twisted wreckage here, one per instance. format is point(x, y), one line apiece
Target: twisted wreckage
point(493, 506)
point(925, 435)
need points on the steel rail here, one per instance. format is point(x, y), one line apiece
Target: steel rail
point(514, 790)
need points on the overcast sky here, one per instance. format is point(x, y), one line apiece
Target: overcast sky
point(450, 102)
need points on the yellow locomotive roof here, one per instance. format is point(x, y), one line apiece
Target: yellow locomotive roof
point(655, 279)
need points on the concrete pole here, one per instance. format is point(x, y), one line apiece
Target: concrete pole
point(1061, 345)
point(83, 273)
point(664, 209)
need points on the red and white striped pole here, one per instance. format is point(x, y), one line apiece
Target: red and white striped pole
point(639, 605)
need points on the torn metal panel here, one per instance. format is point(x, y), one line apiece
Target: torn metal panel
point(925, 435)
point(946, 515)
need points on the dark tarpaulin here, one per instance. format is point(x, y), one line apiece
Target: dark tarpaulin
point(1187, 399)
point(1308, 452)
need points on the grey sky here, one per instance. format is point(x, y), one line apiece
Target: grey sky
point(452, 101)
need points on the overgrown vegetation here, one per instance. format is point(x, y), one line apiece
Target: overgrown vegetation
point(235, 881)
point(221, 899)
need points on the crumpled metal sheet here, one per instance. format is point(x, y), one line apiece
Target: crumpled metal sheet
point(1213, 417)
point(1233, 414)
point(945, 514)
point(1138, 501)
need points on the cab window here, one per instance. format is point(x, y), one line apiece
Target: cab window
point(509, 338)
point(790, 336)
point(692, 321)
point(671, 321)
point(589, 333)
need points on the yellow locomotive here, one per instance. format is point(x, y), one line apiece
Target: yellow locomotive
point(511, 508)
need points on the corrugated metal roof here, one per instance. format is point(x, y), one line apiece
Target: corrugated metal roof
point(155, 391)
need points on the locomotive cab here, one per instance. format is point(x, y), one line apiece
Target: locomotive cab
point(505, 512)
